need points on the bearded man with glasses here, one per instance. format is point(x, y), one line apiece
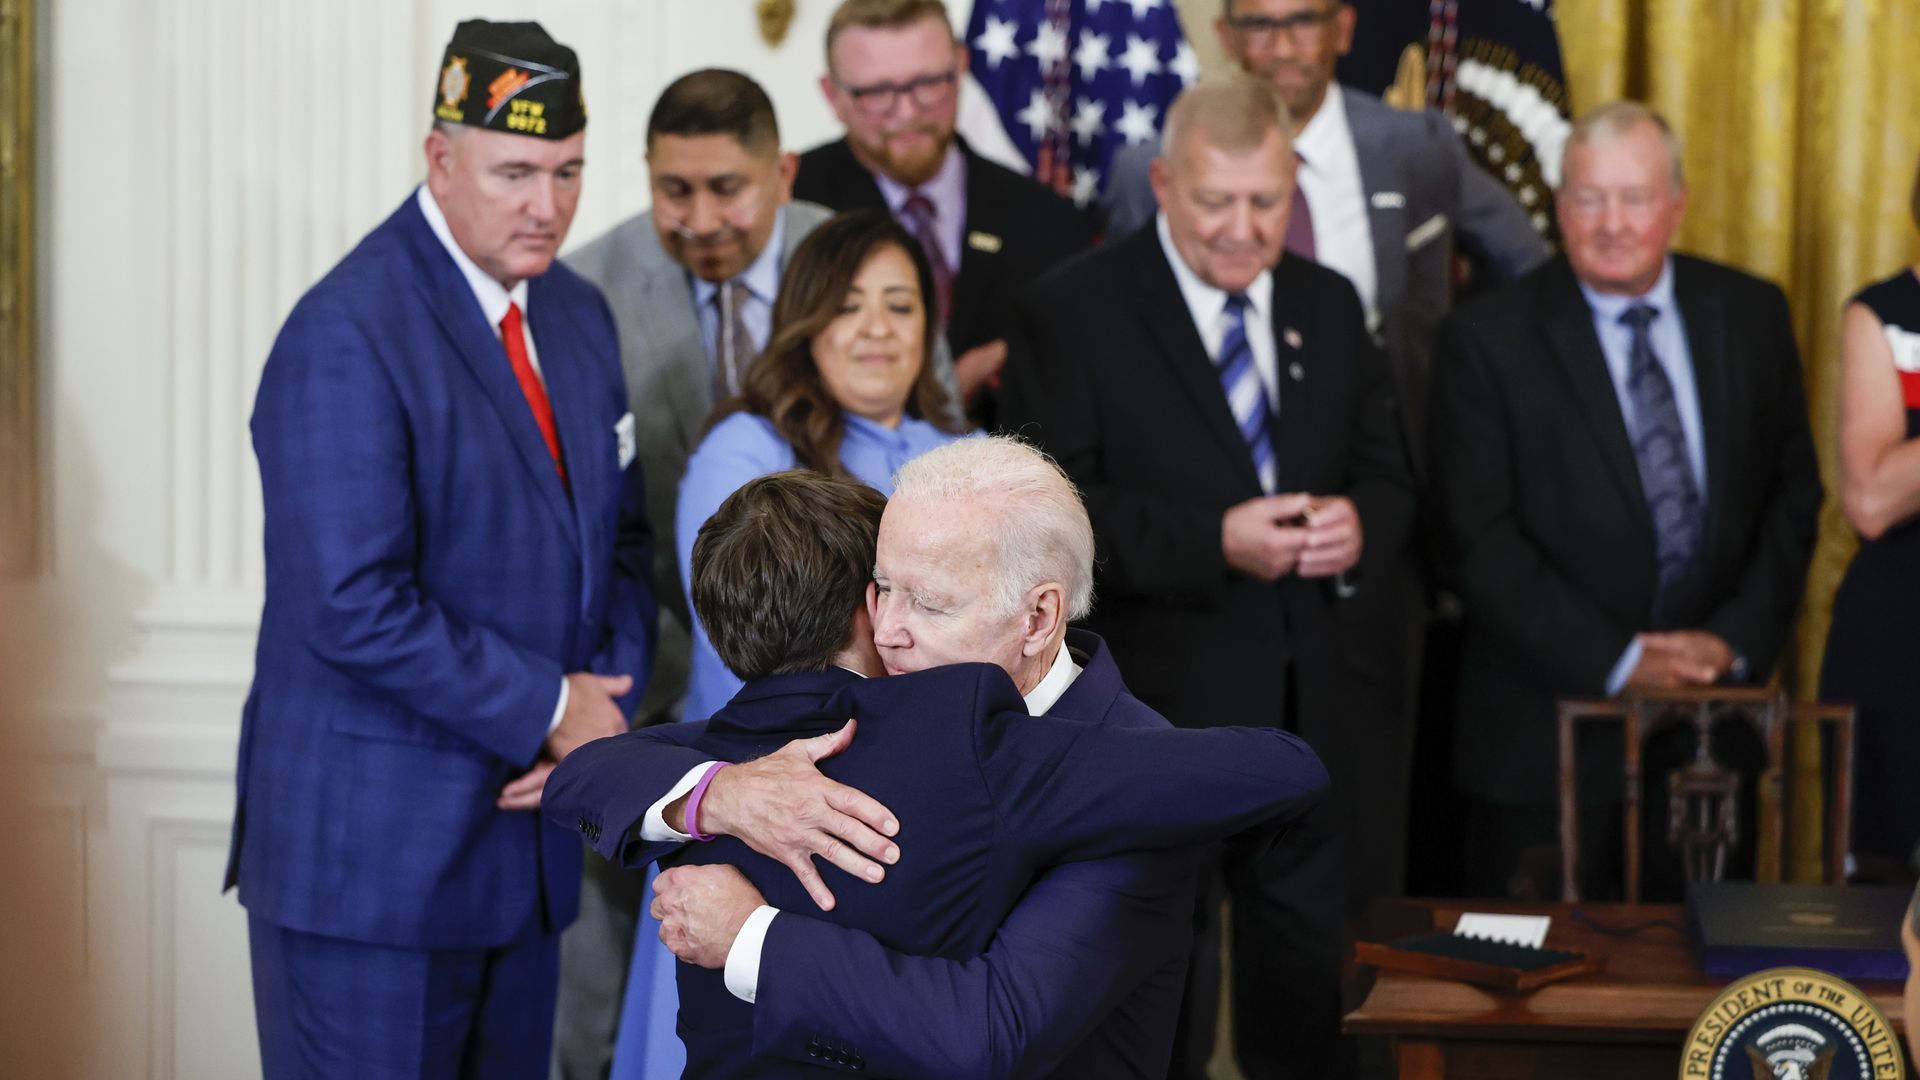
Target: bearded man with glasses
point(893, 79)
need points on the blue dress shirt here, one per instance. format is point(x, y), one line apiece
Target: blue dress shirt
point(1668, 335)
point(762, 279)
point(741, 448)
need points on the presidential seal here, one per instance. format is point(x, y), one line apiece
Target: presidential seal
point(1792, 1024)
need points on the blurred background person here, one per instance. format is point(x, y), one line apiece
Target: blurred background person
point(845, 387)
point(1874, 638)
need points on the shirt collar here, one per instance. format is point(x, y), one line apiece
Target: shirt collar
point(762, 276)
point(493, 296)
point(1608, 307)
point(946, 188)
point(1060, 675)
point(1205, 301)
point(1328, 128)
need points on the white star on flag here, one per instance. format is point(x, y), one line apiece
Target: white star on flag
point(1093, 7)
point(1091, 57)
point(1141, 59)
point(1086, 184)
point(997, 41)
point(1141, 7)
point(1039, 115)
point(1136, 123)
point(1049, 45)
point(1185, 64)
point(1089, 120)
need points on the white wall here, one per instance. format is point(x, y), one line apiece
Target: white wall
point(202, 162)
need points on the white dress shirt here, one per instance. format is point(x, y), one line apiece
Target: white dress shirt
point(742, 973)
point(1330, 178)
point(494, 299)
point(1208, 306)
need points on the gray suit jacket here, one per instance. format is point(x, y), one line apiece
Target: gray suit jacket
point(670, 389)
point(1422, 193)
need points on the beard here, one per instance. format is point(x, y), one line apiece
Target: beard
point(911, 165)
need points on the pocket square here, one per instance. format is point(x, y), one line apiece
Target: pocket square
point(1426, 231)
point(624, 435)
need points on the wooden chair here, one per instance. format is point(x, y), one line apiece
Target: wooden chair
point(1704, 796)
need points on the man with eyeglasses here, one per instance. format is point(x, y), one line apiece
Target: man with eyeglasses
point(1383, 196)
point(893, 78)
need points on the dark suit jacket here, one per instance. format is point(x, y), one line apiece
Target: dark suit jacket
point(1108, 374)
point(1551, 547)
point(429, 581)
point(986, 796)
point(1051, 996)
point(1016, 230)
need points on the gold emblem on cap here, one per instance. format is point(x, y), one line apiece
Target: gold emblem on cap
point(454, 84)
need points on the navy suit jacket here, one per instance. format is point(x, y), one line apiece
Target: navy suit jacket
point(986, 795)
point(429, 582)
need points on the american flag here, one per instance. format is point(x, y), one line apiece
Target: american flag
point(1074, 80)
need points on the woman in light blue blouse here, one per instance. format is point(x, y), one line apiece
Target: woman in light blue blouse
point(845, 387)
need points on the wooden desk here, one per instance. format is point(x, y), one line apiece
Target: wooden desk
point(1627, 1021)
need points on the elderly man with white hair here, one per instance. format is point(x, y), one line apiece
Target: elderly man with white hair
point(984, 554)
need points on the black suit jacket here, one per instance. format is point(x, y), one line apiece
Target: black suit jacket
point(1107, 372)
point(1550, 544)
point(1016, 230)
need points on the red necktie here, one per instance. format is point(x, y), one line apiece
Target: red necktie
point(515, 339)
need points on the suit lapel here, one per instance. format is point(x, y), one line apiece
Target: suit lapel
point(1164, 310)
point(1569, 326)
point(1707, 341)
point(1380, 171)
point(1292, 428)
point(667, 303)
point(570, 389)
point(447, 295)
point(987, 214)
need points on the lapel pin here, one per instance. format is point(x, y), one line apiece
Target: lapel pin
point(1291, 337)
point(1296, 372)
point(983, 241)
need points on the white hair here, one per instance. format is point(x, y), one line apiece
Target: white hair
point(1039, 525)
point(1605, 123)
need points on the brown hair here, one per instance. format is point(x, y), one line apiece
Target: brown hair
point(783, 384)
point(715, 101)
point(883, 15)
point(780, 568)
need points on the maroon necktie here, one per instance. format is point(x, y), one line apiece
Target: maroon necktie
point(917, 215)
point(1299, 218)
point(513, 336)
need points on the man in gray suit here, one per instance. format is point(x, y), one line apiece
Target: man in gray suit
point(1382, 196)
point(691, 283)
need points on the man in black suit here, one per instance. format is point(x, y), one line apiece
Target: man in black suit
point(1625, 476)
point(893, 78)
point(1232, 426)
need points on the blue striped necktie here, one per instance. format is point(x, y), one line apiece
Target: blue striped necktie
point(1666, 472)
point(1245, 396)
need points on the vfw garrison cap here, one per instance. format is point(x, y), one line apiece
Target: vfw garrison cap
point(510, 77)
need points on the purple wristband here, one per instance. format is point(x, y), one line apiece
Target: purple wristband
point(693, 801)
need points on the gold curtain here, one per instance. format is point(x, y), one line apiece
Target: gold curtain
point(1801, 123)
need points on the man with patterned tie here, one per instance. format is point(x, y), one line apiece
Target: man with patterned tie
point(1625, 477)
point(893, 79)
point(1232, 426)
point(457, 597)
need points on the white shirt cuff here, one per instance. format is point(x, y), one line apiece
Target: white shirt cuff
point(743, 959)
point(1623, 667)
point(559, 707)
point(654, 828)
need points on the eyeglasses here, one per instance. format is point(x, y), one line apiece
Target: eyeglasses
point(1261, 26)
point(927, 91)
